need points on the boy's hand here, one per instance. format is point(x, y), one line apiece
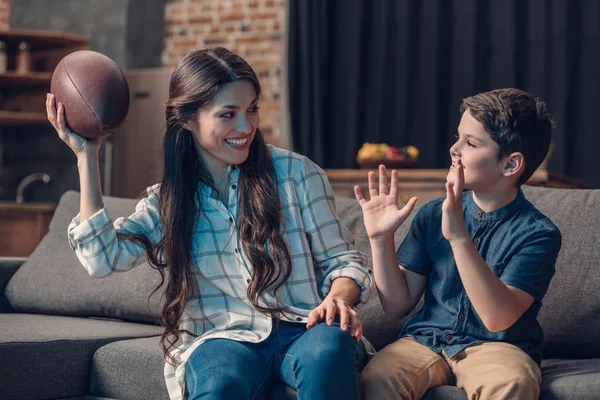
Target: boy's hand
point(453, 220)
point(381, 214)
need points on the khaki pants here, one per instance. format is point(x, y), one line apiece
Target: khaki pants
point(406, 369)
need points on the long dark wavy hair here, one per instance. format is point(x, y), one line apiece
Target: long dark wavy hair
point(194, 83)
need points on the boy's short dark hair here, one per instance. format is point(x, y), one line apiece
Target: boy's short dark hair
point(517, 121)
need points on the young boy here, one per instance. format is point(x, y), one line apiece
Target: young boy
point(484, 259)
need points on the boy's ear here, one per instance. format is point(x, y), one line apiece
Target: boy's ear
point(515, 164)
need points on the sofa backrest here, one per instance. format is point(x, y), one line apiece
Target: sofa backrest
point(53, 281)
point(570, 314)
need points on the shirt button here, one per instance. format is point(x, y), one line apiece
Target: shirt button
point(461, 317)
point(298, 319)
point(476, 240)
point(234, 187)
point(247, 280)
point(236, 251)
point(448, 338)
point(479, 213)
point(230, 219)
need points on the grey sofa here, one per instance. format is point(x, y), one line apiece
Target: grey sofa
point(66, 335)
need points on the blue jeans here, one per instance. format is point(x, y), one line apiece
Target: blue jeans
point(320, 363)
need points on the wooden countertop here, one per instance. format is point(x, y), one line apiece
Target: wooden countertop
point(27, 207)
point(539, 178)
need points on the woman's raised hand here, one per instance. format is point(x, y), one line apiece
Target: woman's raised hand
point(78, 144)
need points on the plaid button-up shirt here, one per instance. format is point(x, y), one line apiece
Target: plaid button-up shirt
point(320, 249)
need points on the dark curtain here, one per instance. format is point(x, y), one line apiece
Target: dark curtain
point(395, 71)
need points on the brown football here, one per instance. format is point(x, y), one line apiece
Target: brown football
point(94, 92)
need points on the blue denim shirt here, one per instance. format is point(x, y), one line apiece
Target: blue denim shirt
point(517, 242)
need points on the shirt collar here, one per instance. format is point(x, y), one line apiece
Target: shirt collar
point(234, 173)
point(500, 213)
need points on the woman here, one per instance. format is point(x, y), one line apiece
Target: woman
point(261, 276)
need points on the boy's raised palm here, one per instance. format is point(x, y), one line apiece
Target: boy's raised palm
point(453, 223)
point(381, 213)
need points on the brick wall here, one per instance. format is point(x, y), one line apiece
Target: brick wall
point(4, 9)
point(251, 28)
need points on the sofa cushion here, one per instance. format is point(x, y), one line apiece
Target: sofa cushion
point(570, 315)
point(43, 356)
point(133, 370)
point(53, 281)
point(570, 379)
point(129, 369)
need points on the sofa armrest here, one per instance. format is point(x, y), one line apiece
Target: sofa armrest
point(8, 266)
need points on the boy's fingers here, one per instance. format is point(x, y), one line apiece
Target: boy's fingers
point(408, 207)
point(450, 194)
point(372, 184)
point(460, 180)
point(358, 194)
point(394, 184)
point(382, 180)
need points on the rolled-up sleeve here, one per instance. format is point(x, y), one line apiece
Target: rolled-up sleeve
point(100, 248)
point(533, 267)
point(331, 243)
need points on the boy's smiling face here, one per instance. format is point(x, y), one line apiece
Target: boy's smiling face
point(478, 153)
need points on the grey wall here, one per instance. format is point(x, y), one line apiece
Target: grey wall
point(131, 32)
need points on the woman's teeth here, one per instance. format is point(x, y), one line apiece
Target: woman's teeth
point(236, 142)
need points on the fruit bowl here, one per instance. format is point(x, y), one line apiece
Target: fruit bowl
point(389, 162)
point(371, 155)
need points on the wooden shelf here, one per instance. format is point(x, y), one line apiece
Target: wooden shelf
point(31, 79)
point(22, 118)
point(42, 39)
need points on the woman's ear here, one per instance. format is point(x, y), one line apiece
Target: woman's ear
point(188, 125)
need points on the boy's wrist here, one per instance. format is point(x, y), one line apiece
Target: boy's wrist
point(381, 241)
point(459, 240)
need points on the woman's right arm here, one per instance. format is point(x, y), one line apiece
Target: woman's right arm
point(86, 151)
point(92, 233)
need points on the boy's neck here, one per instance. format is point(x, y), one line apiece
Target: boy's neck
point(494, 200)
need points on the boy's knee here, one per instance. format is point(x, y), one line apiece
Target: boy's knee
point(377, 380)
point(523, 387)
point(515, 386)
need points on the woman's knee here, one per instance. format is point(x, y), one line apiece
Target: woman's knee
point(210, 376)
point(218, 386)
point(329, 343)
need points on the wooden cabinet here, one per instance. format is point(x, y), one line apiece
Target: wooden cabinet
point(137, 159)
point(22, 226)
point(23, 102)
point(427, 184)
point(24, 94)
